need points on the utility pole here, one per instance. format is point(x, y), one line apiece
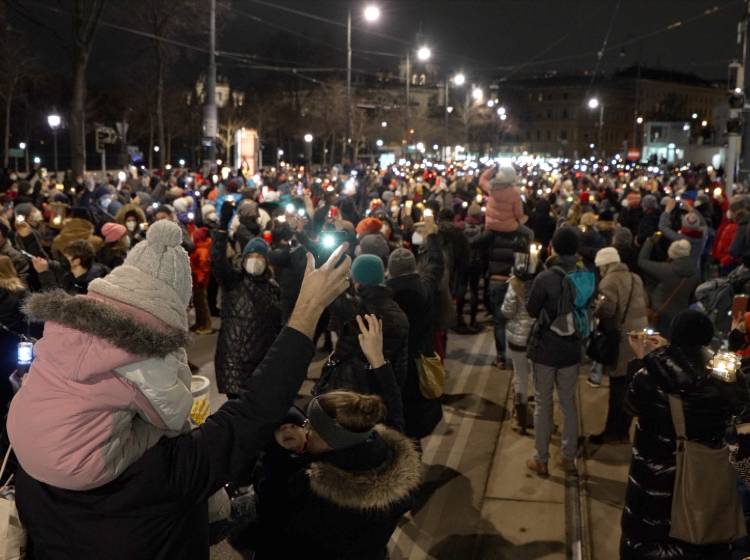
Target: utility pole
point(408, 95)
point(210, 114)
point(744, 86)
point(349, 126)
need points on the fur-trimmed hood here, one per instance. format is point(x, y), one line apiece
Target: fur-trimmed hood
point(375, 489)
point(105, 321)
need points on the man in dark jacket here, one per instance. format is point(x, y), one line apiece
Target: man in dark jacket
point(415, 293)
point(501, 247)
point(170, 485)
point(76, 278)
point(555, 358)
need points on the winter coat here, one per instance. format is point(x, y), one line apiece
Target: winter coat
point(546, 347)
point(289, 265)
point(543, 222)
point(519, 324)
point(678, 277)
point(415, 294)
point(697, 242)
point(58, 278)
point(504, 209)
point(111, 255)
point(250, 318)
point(709, 405)
point(200, 259)
point(501, 248)
point(740, 245)
point(20, 262)
point(591, 242)
point(345, 505)
point(647, 226)
point(630, 217)
point(615, 287)
point(12, 319)
point(722, 248)
point(103, 369)
point(378, 301)
point(158, 508)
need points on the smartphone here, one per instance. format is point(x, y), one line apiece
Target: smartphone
point(25, 353)
point(329, 242)
point(26, 254)
point(739, 306)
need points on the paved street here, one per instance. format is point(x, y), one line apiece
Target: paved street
point(479, 502)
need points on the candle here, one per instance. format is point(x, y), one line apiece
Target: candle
point(724, 366)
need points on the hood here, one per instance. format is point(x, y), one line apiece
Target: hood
point(374, 489)
point(127, 209)
point(104, 321)
point(617, 267)
point(678, 370)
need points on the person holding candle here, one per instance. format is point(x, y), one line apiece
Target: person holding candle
point(682, 368)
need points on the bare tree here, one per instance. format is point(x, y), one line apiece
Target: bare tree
point(16, 70)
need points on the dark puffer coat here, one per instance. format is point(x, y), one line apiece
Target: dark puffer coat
point(415, 294)
point(250, 319)
point(709, 406)
point(346, 505)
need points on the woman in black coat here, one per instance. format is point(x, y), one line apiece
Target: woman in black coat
point(709, 404)
point(250, 312)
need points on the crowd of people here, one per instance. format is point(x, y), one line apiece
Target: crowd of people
point(627, 269)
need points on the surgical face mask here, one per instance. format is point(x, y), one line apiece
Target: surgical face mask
point(131, 225)
point(417, 239)
point(255, 267)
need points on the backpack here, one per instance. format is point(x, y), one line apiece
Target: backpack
point(714, 298)
point(575, 314)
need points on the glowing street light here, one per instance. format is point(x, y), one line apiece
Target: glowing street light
point(704, 124)
point(156, 148)
point(686, 127)
point(384, 124)
point(459, 79)
point(308, 137)
point(379, 143)
point(424, 53)
point(372, 13)
point(22, 145)
point(501, 111)
point(182, 163)
point(54, 122)
point(491, 103)
point(695, 116)
point(503, 117)
point(449, 109)
point(639, 120)
point(477, 94)
point(593, 103)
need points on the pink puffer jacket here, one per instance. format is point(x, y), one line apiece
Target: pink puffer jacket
point(108, 381)
point(504, 209)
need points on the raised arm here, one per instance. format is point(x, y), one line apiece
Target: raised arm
point(226, 446)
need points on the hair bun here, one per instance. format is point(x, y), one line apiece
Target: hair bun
point(164, 233)
point(371, 408)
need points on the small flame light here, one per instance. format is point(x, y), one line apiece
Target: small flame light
point(724, 366)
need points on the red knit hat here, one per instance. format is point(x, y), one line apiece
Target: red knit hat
point(584, 197)
point(368, 226)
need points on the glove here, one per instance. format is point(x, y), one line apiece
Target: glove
point(227, 212)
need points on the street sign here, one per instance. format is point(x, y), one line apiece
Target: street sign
point(634, 154)
point(15, 152)
point(104, 135)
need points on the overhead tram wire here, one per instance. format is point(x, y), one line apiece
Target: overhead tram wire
point(600, 54)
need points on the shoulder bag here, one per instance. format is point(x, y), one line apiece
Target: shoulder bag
point(703, 512)
point(12, 533)
point(431, 376)
point(604, 346)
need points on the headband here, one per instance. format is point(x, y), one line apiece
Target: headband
point(331, 431)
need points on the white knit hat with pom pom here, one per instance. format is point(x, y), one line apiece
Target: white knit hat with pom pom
point(155, 276)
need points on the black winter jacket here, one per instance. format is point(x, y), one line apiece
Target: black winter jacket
point(501, 246)
point(346, 505)
point(157, 509)
point(289, 268)
point(546, 347)
point(709, 406)
point(415, 294)
point(250, 319)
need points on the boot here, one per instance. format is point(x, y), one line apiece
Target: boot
point(521, 414)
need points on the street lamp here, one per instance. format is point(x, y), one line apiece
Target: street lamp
point(459, 79)
point(639, 120)
point(54, 121)
point(424, 53)
point(594, 104)
point(477, 94)
point(501, 111)
point(372, 13)
point(308, 148)
point(22, 145)
point(379, 143)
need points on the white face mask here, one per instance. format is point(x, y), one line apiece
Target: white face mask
point(417, 239)
point(255, 267)
point(131, 225)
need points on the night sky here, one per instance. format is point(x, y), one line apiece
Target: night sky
point(486, 39)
